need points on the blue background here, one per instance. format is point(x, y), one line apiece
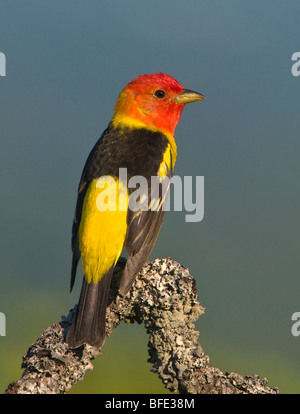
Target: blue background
point(66, 63)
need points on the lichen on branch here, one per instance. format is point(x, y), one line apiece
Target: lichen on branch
point(164, 298)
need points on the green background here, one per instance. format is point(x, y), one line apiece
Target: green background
point(67, 61)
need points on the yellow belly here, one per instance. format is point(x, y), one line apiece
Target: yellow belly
point(103, 226)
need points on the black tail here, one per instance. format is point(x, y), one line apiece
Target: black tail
point(88, 326)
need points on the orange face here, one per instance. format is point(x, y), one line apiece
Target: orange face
point(151, 100)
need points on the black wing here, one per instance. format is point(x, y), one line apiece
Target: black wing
point(142, 232)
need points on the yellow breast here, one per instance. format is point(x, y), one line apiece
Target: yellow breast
point(103, 226)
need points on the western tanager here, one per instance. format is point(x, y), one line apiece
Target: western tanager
point(139, 140)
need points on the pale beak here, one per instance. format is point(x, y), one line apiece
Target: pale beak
point(187, 96)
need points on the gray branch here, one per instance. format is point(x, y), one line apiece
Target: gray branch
point(164, 299)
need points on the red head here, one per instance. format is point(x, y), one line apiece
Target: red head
point(155, 101)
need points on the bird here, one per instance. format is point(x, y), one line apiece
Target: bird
point(139, 139)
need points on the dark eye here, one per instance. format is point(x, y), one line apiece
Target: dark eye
point(160, 93)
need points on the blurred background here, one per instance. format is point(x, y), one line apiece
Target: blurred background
point(66, 62)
